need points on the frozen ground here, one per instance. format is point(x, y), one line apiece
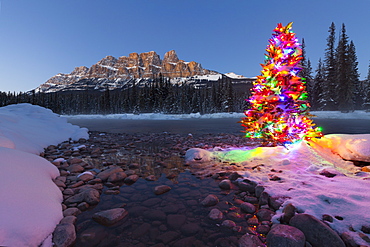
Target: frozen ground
point(30, 202)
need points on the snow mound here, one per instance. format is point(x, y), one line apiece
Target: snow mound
point(31, 128)
point(30, 202)
point(30, 205)
point(316, 177)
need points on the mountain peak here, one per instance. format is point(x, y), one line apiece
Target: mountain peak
point(135, 66)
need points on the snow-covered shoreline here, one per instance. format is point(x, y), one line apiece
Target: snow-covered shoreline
point(161, 116)
point(30, 202)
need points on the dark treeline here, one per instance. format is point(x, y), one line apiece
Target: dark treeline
point(156, 95)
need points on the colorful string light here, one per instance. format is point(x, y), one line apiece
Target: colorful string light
point(279, 111)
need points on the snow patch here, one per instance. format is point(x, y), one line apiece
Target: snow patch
point(301, 170)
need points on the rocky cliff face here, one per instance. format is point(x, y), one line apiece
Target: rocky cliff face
point(144, 65)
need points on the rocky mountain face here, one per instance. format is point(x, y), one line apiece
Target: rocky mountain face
point(135, 66)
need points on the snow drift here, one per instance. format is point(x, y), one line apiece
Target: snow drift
point(30, 202)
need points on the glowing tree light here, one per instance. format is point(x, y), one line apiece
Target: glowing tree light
point(279, 112)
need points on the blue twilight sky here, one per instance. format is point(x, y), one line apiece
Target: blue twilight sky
point(41, 38)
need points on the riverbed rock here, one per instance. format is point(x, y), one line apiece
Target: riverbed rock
point(110, 217)
point(175, 221)
point(248, 208)
point(131, 179)
point(104, 175)
point(210, 200)
point(161, 189)
point(215, 214)
point(264, 214)
point(71, 212)
point(250, 240)
point(64, 235)
point(117, 177)
point(317, 233)
point(91, 196)
point(225, 184)
point(285, 236)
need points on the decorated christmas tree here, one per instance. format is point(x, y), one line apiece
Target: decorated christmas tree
point(279, 111)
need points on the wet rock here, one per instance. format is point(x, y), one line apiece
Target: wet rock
point(225, 184)
point(250, 199)
point(83, 206)
point(168, 237)
point(243, 186)
point(248, 208)
point(131, 179)
point(215, 214)
point(151, 178)
point(366, 229)
point(71, 211)
point(117, 177)
point(252, 221)
point(285, 236)
point(317, 233)
point(154, 214)
point(110, 217)
point(151, 202)
point(264, 214)
point(264, 199)
point(60, 183)
point(288, 213)
point(175, 221)
point(210, 200)
point(190, 229)
point(91, 236)
point(134, 166)
point(111, 192)
point(328, 218)
point(259, 190)
point(161, 189)
point(104, 175)
point(64, 235)
point(228, 224)
point(234, 176)
point(74, 161)
point(275, 202)
point(69, 220)
point(249, 240)
point(185, 242)
point(263, 229)
point(76, 168)
point(141, 230)
point(86, 176)
point(91, 196)
point(349, 240)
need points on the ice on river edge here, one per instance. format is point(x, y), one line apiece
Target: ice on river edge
point(298, 168)
point(30, 202)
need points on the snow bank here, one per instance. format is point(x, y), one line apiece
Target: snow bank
point(161, 116)
point(31, 128)
point(30, 202)
point(301, 168)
